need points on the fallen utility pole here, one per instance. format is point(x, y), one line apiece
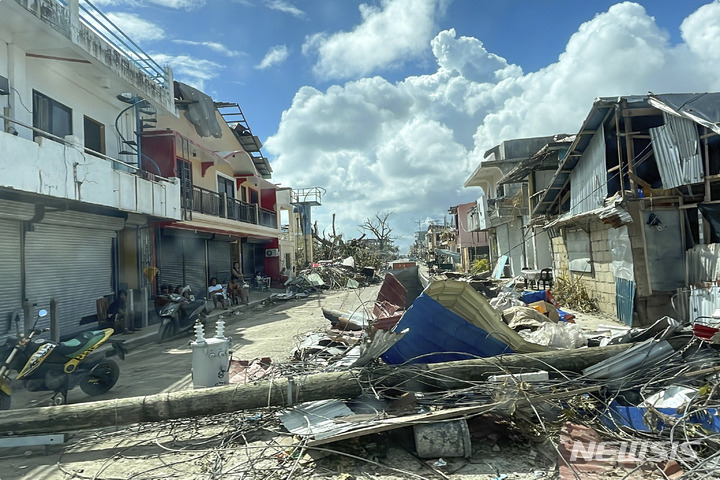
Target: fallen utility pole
point(286, 391)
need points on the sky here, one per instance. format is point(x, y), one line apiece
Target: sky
point(389, 105)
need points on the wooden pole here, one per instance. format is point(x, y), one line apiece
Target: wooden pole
point(183, 404)
point(322, 386)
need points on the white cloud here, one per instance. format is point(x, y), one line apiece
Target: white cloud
point(214, 46)
point(274, 56)
point(408, 147)
point(397, 32)
point(136, 27)
point(186, 69)
point(176, 4)
point(285, 7)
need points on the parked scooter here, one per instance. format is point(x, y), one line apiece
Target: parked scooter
point(180, 314)
point(57, 367)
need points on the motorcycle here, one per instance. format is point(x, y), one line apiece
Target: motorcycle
point(180, 314)
point(58, 367)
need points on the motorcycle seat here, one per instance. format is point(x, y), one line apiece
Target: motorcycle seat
point(75, 346)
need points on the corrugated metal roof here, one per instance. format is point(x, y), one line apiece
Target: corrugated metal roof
point(601, 109)
point(703, 108)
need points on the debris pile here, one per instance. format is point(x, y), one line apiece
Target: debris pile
point(455, 386)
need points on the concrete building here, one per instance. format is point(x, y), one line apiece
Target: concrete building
point(114, 176)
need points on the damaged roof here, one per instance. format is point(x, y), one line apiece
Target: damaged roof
point(545, 159)
point(702, 108)
point(601, 110)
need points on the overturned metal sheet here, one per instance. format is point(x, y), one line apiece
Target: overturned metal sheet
point(615, 368)
point(317, 419)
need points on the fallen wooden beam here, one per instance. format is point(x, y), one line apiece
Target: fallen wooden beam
point(277, 392)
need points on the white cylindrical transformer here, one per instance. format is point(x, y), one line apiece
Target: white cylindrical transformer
point(210, 360)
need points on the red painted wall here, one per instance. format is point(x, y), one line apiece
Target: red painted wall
point(161, 149)
point(268, 199)
point(272, 264)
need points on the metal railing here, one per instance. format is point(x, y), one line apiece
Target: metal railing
point(215, 204)
point(311, 195)
point(102, 26)
point(268, 218)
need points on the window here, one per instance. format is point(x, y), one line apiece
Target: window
point(226, 186)
point(94, 135)
point(51, 116)
point(578, 248)
point(254, 199)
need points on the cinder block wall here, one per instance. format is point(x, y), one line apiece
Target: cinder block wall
point(600, 283)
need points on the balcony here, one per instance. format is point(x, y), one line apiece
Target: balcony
point(89, 30)
point(212, 203)
point(60, 168)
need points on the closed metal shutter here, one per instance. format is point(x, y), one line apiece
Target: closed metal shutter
point(171, 261)
point(219, 260)
point(195, 266)
point(182, 262)
point(72, 265)
point(10, 275)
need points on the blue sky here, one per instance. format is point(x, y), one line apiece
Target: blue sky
point(390, 104)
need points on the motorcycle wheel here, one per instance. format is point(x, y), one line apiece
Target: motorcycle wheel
point(4, 401)
point(166, 332)
point(101, 379)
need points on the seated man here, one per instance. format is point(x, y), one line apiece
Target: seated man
point(233, 291)
point(216, 292)
point(117, 314)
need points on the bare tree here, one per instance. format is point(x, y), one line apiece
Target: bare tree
point(379, 227)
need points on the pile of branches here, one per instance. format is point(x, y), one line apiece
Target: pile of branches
point(571, 291)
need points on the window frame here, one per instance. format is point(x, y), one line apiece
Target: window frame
point(48, 125)
point(101, 138)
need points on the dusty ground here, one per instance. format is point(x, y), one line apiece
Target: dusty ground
point(250, 445)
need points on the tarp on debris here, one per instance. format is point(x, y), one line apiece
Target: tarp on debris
point(451, 321)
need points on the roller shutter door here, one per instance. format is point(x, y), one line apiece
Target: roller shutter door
point(219, 260)
point(72, 265)
point(195, 265)
point(171, 261)
point(182, 262)
point(10, 274)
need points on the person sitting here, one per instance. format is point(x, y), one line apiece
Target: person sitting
point(233, 291)
point(216, 292)
point(117, 314)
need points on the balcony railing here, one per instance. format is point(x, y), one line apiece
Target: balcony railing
point(215, 204)
point(102, 26)
point(268, 218)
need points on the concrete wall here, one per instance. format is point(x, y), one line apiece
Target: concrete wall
point(66, 172)
point(600, 284)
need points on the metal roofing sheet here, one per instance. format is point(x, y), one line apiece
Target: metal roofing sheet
point(703, 108)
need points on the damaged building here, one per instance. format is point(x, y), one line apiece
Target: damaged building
point(628, 204)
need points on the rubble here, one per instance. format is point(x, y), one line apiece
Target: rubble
point(647, 404)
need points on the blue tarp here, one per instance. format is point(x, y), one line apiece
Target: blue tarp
point(439, 335)
point(635, 418)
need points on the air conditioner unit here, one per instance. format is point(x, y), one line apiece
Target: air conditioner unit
point(272, 252)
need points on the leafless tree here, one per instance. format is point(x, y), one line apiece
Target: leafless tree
point(380, 227)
